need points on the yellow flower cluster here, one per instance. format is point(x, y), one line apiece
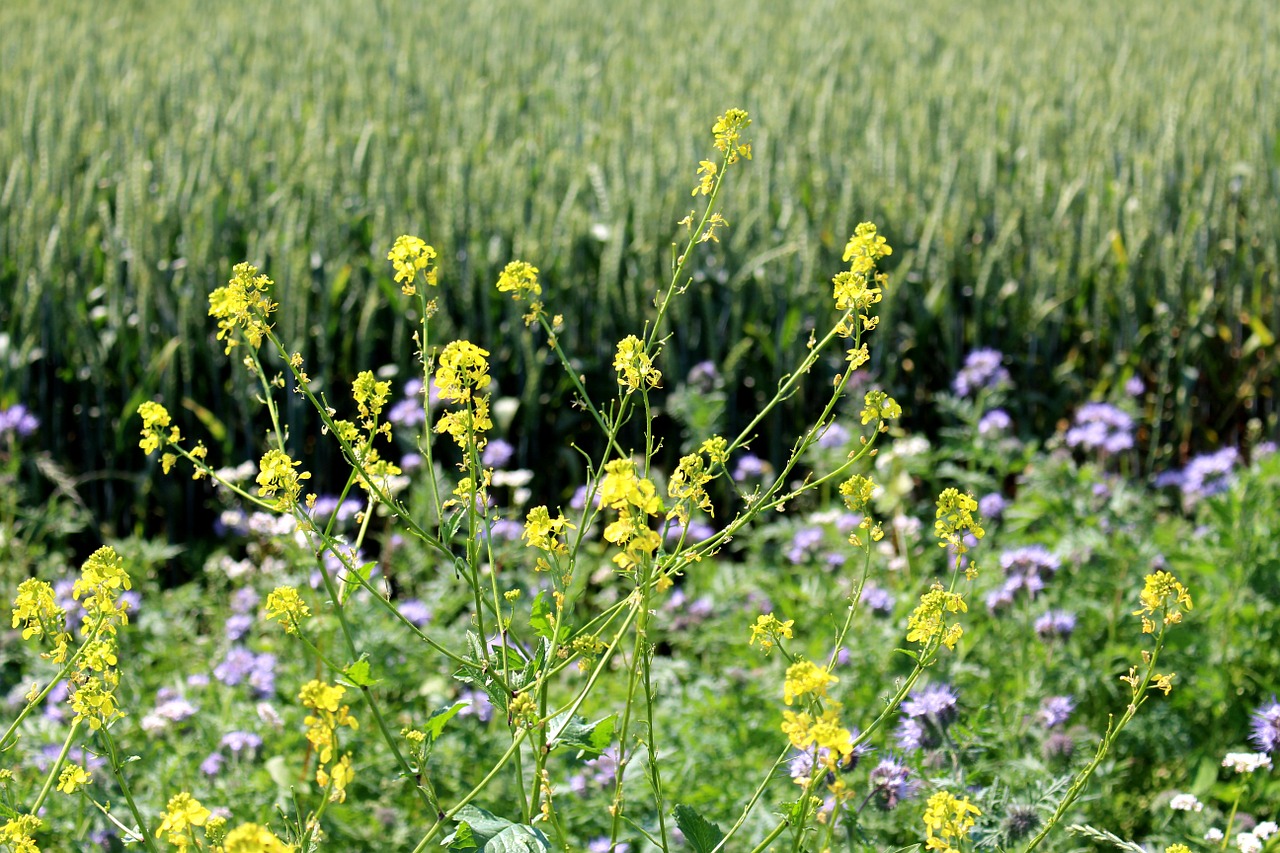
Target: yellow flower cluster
point(954, 519)
point(37, 611)
point(879, 406)
point(635, 498)
point(688, 484)
point(370, 396)
point(1162, 591)
point(409, 256)
point(805, 677)
point(155, 418)
point(635, 366)
point(542, 531)
point(461, 371)
point(860, 286)
point(520, 279)
point(806, 731)
point(728, 133)
point(285, 604)
point(927, 622)
point(947, 819)
point(276, 476)
point(252, 838)
point(243, 304)
point(16, 834)
point(769, 631)
point(322, 731)
point(183, 812)
point(858, 492)
point(72, 778)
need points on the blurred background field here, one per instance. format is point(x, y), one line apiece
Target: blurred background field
point(1093, 188)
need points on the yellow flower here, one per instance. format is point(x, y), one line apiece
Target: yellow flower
point(926, 624)
point(769, 631)
point(243, 304)
point(858, 492)
point(35, 607)
point(182, 812)
point(154, 418)
point(1162, 590)
point(251, 838)
point(541, 530)
point(285, 604)
point(806, 677)
point(370, 394)
point(276, 476)
point(947, 819)
point(461, 370)
point(706, 177)
point(17, 831)
point(728, 131)
point(409, 256)
point(955, 519)
point(520, 279)
point(879, 406)
point(72, 778)
point(634, 365)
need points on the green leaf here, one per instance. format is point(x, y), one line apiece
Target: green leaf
point(437, 721)
point(701, 834)
point(358, 673)
point(518, 839)
point(461, 840)
point(578, 733)
point(541, 618)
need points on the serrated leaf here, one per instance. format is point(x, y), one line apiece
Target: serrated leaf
point(700, 833)
point(437, 721)
point(358, 673)
point(576, 732)
point(540, 617)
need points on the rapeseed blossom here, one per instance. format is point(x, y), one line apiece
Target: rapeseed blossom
point(947, 820)
point(410, 256)
point(285, 604)
point(634, 365)
point(244, 304)
point(183, 812)
point(805, 677)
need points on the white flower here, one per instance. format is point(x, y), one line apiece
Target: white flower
point(1186, 803)
point(1246, 762)
point(1266, 829)
point(1213, 834)
point(1248, 843)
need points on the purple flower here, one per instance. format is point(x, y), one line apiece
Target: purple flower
point(1055, 710)
point(803, 543)
point(1134, 387)
point(18, 420)
point(992, 505)
point(891, 783)
point(599, 772)
point(936, 703)
point(497, 453)
point(834, 436)
point(878, 600)
point(408, 413)
point(1101, 426)
point(212, 765)
point(416, 612)
point(981, 371)
point(1266, 727)
point(911, 735)
point(1055, 623)
point(603, 845)
point(1025, 568)
point(235, 667)
point(750, 466)
point(505, 530)
point(244, 600)
point(262, 678)
point(994, 422)
point(239, 742)
point(705, 377)
point(238, 625)
point(579, 499)
point(1209, 474)
point(478, 705)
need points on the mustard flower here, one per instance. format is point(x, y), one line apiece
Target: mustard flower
point(285, 604)
point(635, 366)
point(94, 701)
point(1162, 591)
point(370, 395)
point(35, 608)
point(409, 256)
point(769, 631)
point(322, 726)
point(926, 623)
point(340, 775)
point(541, 530)
point(72, 778)
point(688, 486)
point(17, 833)
point(465, 426)
point(804, 677)
point(947, 819)
point(879, 406)
point(728, 133)
point(184, 811)
point(520, 279)
point(623, 486)
point(276, 475)
point(825, 732)
point(706, 178)
point(154, 418)
point(243, 304)
point(866, 244)
point(955, 520)
point(858, 492)
point(461, 370)
point(252, 838)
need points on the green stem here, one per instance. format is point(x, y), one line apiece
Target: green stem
point(118, 772)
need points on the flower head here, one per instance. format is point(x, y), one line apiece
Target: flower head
point(409, 256)
point(1266, 726)
point(982, 371)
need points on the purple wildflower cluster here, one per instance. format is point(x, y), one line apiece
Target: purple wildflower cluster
point(1209, 474)
point(982, 371)
point(1055, 710)
point(598, 773)
point(497, 453)
point(1101, 426)
point(1025, 569)
point(804, 544)
point(994, 422)
point(170, 709)
point(409, 411)
point(750, 467)
point(879, 601)
point(801, 765)
point(17, 421)
point(891, 783)
point(926, 715)
point(1266, 727)
point(685, 613)
point(1055, 624)
point(241, 665)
